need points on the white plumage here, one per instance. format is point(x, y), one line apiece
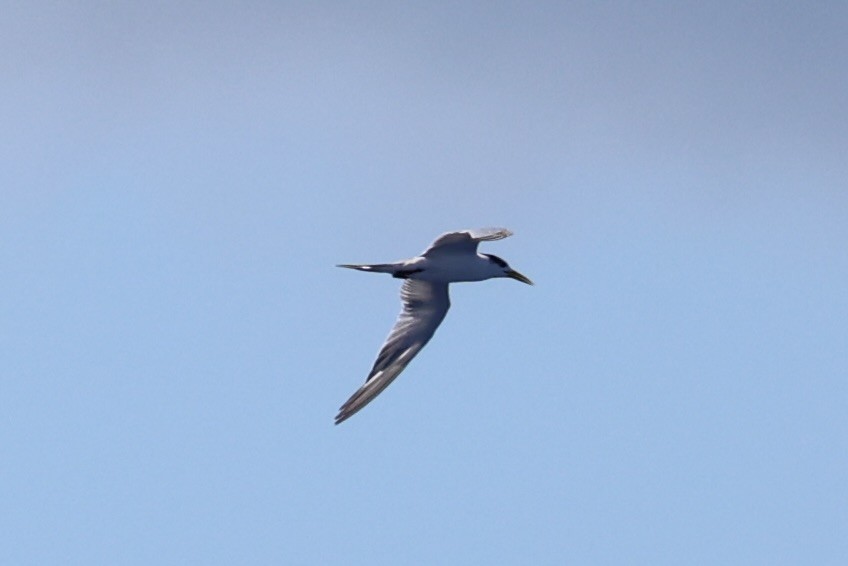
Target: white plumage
point(451, 258)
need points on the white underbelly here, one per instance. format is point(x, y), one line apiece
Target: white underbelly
point(447, 269)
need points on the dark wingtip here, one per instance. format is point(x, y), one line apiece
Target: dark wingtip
point(344, 412)
point(342, 417)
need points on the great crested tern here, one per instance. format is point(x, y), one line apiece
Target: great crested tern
point(451, 258)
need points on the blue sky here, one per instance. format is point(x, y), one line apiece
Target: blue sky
point(178, 182)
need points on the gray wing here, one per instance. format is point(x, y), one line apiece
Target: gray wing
point(464, 241)
point(424, 307)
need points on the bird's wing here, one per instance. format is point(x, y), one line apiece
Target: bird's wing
point(424, 307)
point(464, 241)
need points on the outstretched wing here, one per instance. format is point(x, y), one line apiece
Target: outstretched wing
point(424, 307)
point(464, 241)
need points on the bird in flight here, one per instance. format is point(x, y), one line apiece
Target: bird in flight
point(452, 258)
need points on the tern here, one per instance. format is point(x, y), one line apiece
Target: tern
point(451, 258)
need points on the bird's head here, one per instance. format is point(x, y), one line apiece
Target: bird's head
point(504, 270)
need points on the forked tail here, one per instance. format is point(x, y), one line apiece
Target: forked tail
point(375, 268)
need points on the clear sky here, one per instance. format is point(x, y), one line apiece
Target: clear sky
point(179, 178)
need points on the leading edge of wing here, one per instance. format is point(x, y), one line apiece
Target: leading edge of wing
point(425, 305)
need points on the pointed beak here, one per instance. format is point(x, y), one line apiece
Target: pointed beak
point(513, 274)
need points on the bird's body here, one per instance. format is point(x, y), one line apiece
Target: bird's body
point(453, 268)
point(451, 258)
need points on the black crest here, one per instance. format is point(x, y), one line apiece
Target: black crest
point(496, 259)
